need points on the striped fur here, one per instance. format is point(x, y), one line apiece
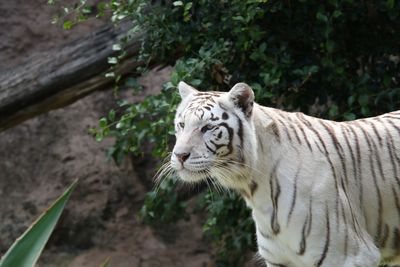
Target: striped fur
point(323, 193)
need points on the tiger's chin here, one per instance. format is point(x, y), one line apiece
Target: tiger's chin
point(191, 176)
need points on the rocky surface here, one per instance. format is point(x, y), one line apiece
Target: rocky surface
point(26, 27)
point(41, 157)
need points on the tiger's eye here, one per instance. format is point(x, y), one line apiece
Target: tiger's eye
point(206, 128)
point(182, 125)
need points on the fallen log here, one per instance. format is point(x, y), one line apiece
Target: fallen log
point(63, 75)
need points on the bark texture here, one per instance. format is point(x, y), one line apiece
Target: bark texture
point(61, 76)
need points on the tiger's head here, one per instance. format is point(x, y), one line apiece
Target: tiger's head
point(214, 135)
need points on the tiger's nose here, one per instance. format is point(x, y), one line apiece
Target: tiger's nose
point(182, 157)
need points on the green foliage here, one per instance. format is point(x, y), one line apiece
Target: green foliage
point(339, 57)
point(137, 124)
point(26, 249)
point(163, 205)
point(230, 226)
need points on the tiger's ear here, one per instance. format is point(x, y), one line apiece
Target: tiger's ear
point(185, 90)
point(242, 97)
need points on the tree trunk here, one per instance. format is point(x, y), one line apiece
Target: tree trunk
point(61, 76)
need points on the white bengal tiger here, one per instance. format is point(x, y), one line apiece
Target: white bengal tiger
point(322, 193)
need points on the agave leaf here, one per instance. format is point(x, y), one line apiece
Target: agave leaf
point(27, 248)
point(105, 263)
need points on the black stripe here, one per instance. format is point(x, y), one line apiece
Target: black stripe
point(303, 119)
point(331, 166)
point(230, 132)
point(264, 248)
point(392, 154)
point(275, 192)
point(346, 236)
point(396, 199)
point(285, 129)
point(273, 126)
point(375, 130)
point(339, 149)
point(390, 146)
point(275, 130)
point(303, 132)
point(253, 187)
point(303, 243)
point(390, 117)
point(353, 159)
point(377, 155)
point(396, 239)
point(292, 125)
point(393, 150)
point(310, 216)
point(240, 131)
point(327, 240)
point(345, 131)
point(359, 162)
point(214, 118)
point(378, 192)
point(359, 171)
point(264, 235)
point(260, 143)
point(217, 146)
point(275, 264)
point(385, 236)
point(319, 147)
point(209, 148)
point(296, 177)
point(394, 126)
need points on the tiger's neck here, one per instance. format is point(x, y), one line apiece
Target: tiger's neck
point(266, 154)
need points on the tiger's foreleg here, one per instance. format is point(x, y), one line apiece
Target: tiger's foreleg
point(368, 255)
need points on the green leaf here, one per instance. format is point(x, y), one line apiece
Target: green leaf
point(333, 111)
point(105, 263)
point(116, 47)
point(110, 75)
point(350, 100)
point(365, 111)
point(103, 122)
point(86, 10)
point(178, 3)
point(188, 6)
point(175, 78)
point(238, 18)
point(337, 13)
point(111, 115)
point(322, 17)
point(112, 60)
point(27, 248)
point(99, 137)
point(363, 100)
point(67, 25)
point(348, 116)
point(390, 4)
